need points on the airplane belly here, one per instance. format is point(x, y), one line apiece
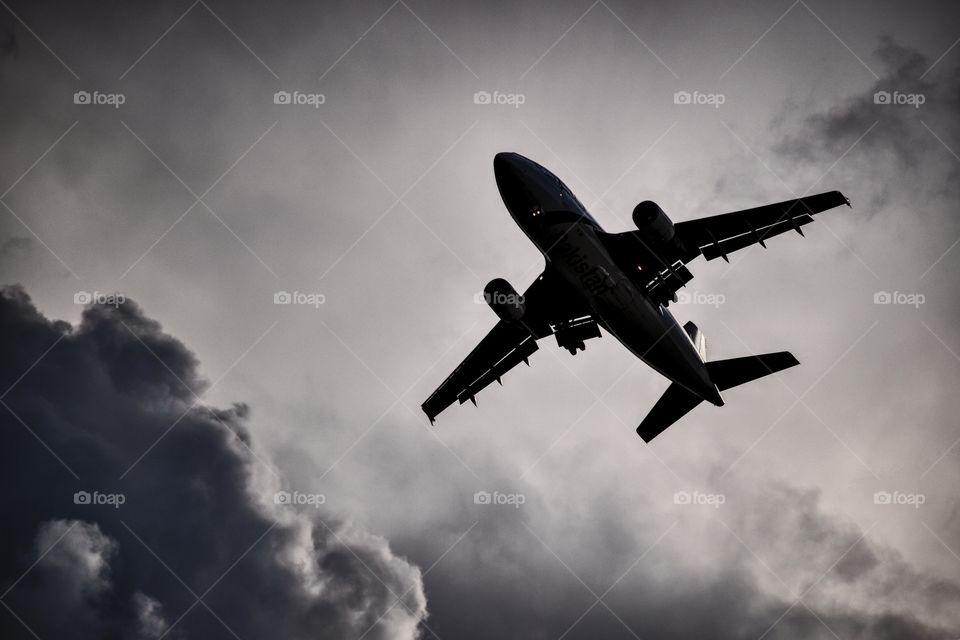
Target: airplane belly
point(648, 330)
point(654, 336)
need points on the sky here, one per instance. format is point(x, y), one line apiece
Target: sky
point(184, 457)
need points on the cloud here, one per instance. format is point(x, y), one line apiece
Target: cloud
point(731, 572)
point(905, 152)
point(8, 44)
point(125, 500)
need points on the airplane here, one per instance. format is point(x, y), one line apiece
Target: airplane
point(622, 282)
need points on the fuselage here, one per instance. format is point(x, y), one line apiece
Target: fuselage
point(568, 237)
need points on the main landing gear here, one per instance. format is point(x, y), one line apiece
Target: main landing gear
point(571, 335)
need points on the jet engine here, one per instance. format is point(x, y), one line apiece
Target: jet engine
point(652, 223)
point(504, 300)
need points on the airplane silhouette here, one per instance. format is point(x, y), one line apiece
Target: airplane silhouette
point(622, 282)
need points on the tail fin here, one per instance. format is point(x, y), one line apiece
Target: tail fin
point(678, 401)
point(736, 371)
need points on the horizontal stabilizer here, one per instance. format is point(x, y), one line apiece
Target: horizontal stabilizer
point(736, 371)
point(672, 405)
point(678, 401)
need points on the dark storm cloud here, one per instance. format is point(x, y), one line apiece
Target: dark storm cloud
point(8, 44)
point(788, 545)
point(98, 400)
point(904, 150)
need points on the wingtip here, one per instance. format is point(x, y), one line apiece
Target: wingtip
point(791, 358)
point(431, 418)
point(643, 436)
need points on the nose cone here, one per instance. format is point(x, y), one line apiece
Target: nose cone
point(508, 171)
point(504, 165)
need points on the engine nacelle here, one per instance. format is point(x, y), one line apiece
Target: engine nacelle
point(652, 223)
point(504, 300)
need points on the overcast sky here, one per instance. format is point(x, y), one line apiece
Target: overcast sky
point(189, 190)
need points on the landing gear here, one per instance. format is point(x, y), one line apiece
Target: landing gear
point(666, 300)
point(573, 348)
point(571, 335)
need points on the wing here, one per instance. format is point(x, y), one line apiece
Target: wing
point(549, 301)
point(718, 236)
point(661, 269)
